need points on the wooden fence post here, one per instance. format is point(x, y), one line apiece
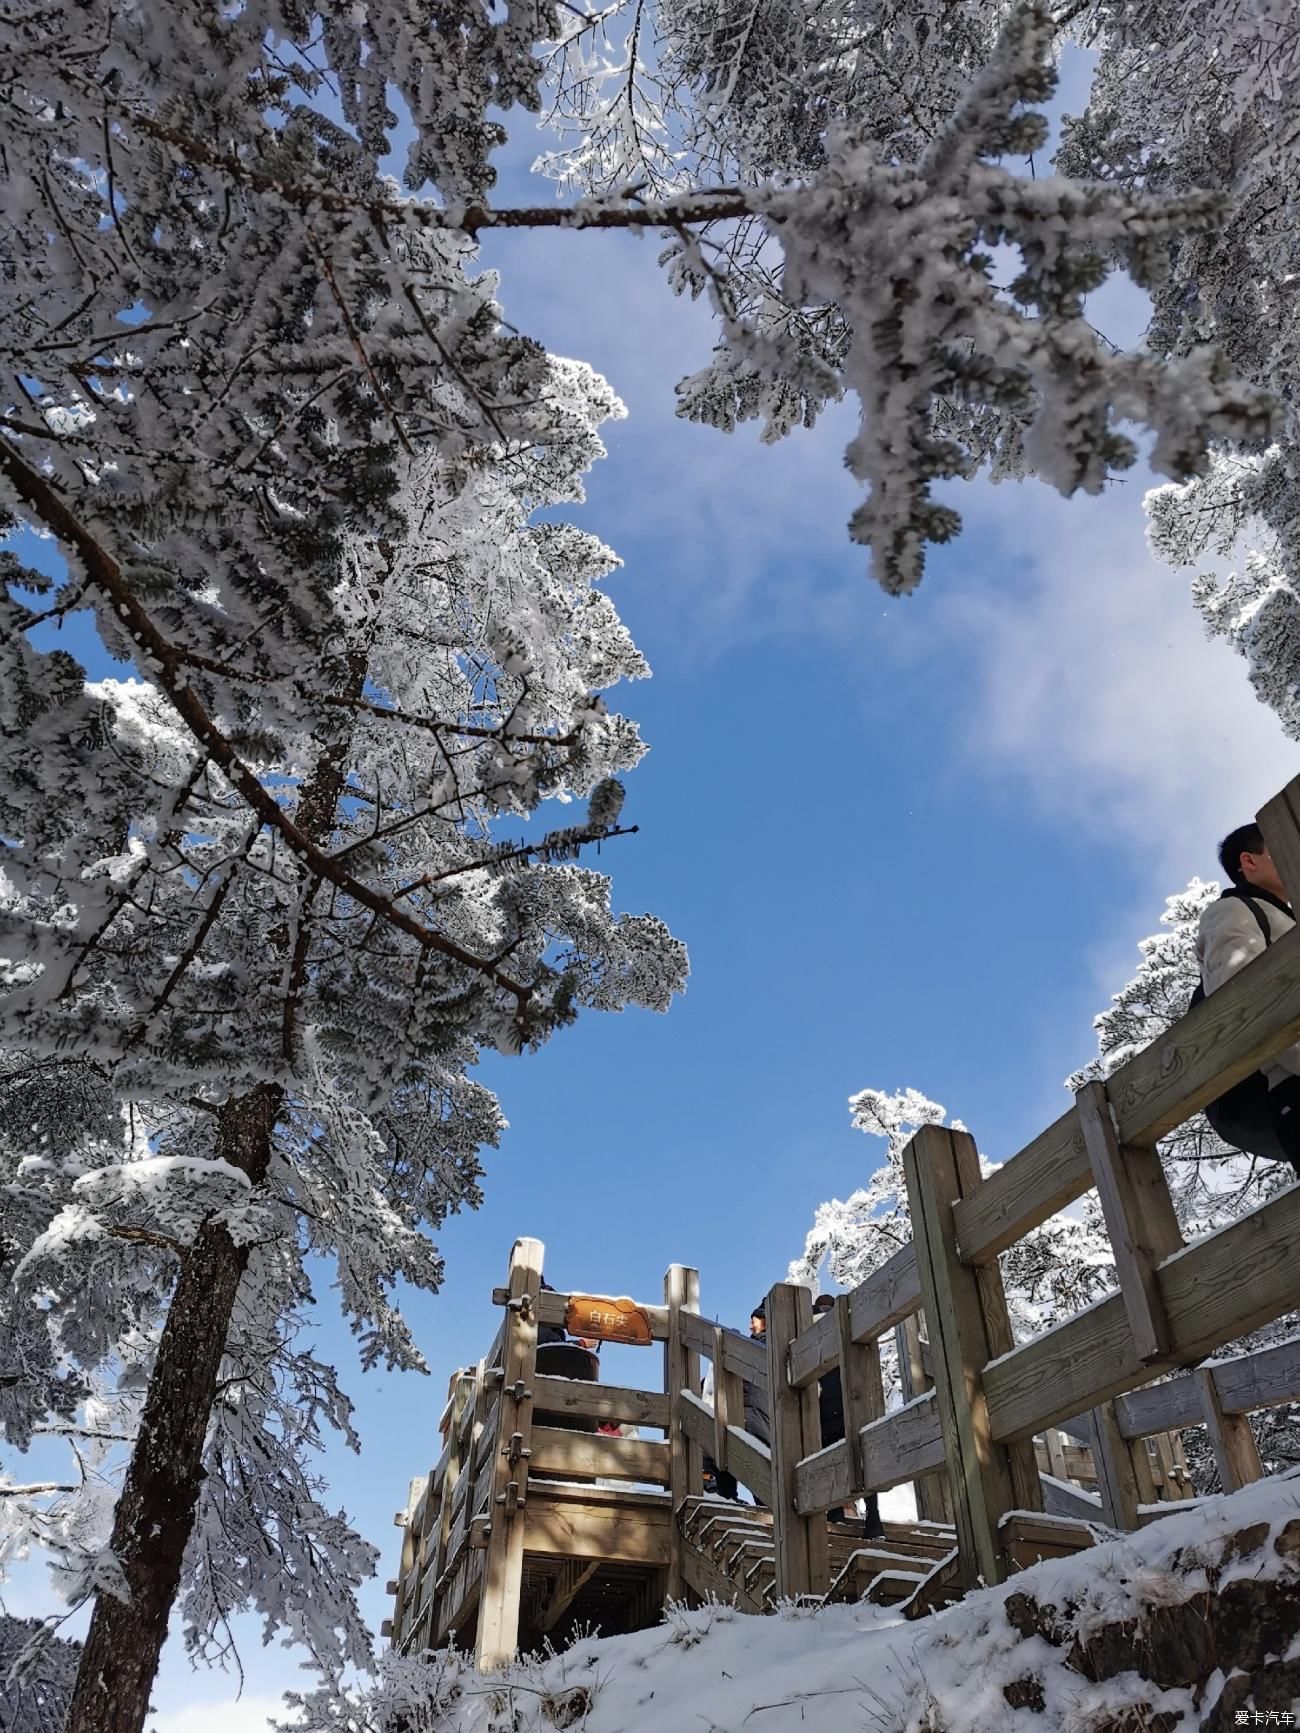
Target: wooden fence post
point(503, 1560)
point(681, 1372)
point(800, 1542)
point(861, 1387)
point(1117, 1479)
point(966, 1312)
point(932, 1502)
point(1139, 1215)
point(464, 1388)
point(1231, 1438)
point(728, 1402)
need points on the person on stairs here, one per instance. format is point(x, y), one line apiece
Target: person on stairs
point(758, 1418)
point(1261, 1114)
point(830, 1401)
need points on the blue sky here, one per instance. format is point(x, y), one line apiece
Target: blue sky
point(907, 842)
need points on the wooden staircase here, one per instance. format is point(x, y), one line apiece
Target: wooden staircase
point(728, 1555)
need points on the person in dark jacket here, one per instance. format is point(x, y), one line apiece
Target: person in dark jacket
point(830, 1402)
point(550, 1332)
point(758, 1413)
point(758, 1421)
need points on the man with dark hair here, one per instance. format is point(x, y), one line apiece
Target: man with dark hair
point(1261, 1114)
point(830, 1402)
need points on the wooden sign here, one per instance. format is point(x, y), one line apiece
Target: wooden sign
point(605, 1320)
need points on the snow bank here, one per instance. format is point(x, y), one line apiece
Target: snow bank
point(1049, 1651)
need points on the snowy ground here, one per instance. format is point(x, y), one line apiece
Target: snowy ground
point(860, 1668)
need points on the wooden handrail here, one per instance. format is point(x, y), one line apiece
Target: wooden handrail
point(747, 1358)
point(1250, 1019)
point(613, 1402)
point(883, 1299)
point(901, 1447)
point(1214, 1291)
point(1265, 1379)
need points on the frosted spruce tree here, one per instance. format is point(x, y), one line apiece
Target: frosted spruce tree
point(267, 894)
point(1206, 94)
point(290, 1009)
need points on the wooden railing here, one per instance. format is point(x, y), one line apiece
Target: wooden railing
point(1176, 1303)
point(466, 1522)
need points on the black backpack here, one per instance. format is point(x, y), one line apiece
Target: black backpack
point(1243, 1116)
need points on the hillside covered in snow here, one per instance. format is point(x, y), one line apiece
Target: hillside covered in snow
point(1192, 1623)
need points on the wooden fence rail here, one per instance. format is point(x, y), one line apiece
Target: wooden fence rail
point(1175, 1305)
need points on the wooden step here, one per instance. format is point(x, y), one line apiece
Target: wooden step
point(939, 1588)
point(861, 1570)
point(1030, 1537)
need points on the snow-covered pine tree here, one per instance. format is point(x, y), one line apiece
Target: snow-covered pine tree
point(291, 1008)
point(1211, 1184)
point(37, 1671)
point(873, 138)
point(1205, 94)
point(255, 888)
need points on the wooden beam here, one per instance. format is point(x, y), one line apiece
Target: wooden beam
point(1262, 1380)
point(1231, 1438)
point(881, 1300)
point(1054, 1450)
point(1265, 1379)
point(600, 1401)
point(503, 1558)
point(965, 1312)
point(1159, 1408)
point(1208, 1300)
point(1173, 1466)
point(862, 1387)
point(1140, 1455)
point(1139, 1215)
point(573, 1454)
point(903, 1446)
point(802, 1559)
point(584, 1522)
point(1117, 1484)
point(1033, 1185)
point(915, 1373)
point(574, 1576)
point(728, 1407)
point(747, 1457)
point(1062, 1499)
point(681, 1376)
point(1280, 822)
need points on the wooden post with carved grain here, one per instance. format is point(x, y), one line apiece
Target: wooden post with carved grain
point(966, 1312)
point(503, 1560)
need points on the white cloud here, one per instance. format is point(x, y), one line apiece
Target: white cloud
point(235, 1715)
point(1094, 684)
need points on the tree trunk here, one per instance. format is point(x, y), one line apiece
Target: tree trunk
point(155, 1513)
